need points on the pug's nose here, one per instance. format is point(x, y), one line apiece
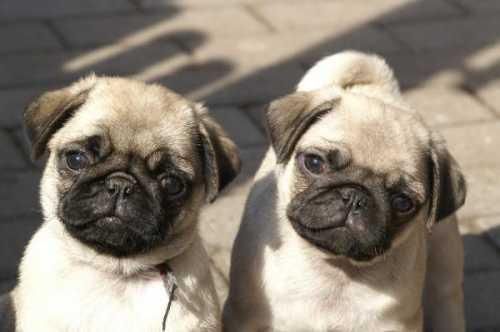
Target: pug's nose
point(355, 200)
point(121, 184)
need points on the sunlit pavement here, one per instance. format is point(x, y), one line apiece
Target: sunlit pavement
point(236, 55)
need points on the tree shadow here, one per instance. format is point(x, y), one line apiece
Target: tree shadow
point(140, 47)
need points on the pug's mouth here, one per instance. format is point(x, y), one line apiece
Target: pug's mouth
point(109, 220)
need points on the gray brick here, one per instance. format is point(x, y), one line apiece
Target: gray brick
point(470, 33)
point(300, 46)
point(482, 300)
point(445, 105)
point(194, 80)
point(475, 145)
point(112, 60)
point(219, 224)
point(420, 10)
point(19, 194)
point(490, 225)
point(11, 156)
point(483, 192)
point(436, 68)
point(155, 4)
point(20, 9)
point(488, 91)
point(256, 112)
point(15, 234)
point(251, 84)
point(343, 15)
point(480, 255)
point(32, 36)
point(239, 126)
point(483, 6)
point(190, 25)
point(33, 68)
point(6, 285)
point(12, 105)
point(22, 140)
point(482, 73)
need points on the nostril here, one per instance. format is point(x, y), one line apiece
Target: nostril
point(119, 186)
point(360, 204)
point(128, 190)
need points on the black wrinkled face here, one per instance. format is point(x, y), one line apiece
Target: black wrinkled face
point(349, 210)
point(120, 203)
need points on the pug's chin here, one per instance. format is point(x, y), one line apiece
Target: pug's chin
point(340, 242)
point(114, 237)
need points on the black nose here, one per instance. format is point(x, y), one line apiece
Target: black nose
point(355, 200)
point(120, 183)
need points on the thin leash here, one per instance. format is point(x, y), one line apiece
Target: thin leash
point(171, 286)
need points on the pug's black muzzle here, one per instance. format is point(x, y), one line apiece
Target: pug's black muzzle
point(115, 214)
point(345, 220)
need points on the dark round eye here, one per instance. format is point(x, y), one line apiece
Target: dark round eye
point(76, 160)
point(402, 203)
point(313, 163)
point(173, 185)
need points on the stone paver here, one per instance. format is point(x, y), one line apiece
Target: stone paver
point(11, 156)
point(12, 247)
point(24, 9)
point(483, 191)
point(236, 56)
point(31, 36)
point(482, 7)
point(490, 226)
point(340, 15)
point(7, 285)
point(489, 93)
point(19, 194)
point(224, 22)
point(63, 67)
point(474, 32)
point(12, 105)
point(474, 145)
point(250, 84)
point(220, 220)
point(446, 106)
point(479, 254)
point(239, 126)
point(482, 300)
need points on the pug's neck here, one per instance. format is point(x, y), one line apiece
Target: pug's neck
point(141, 265)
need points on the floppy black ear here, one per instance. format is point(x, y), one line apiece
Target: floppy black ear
point(289, 117)
point(221, 161)
point(47, 114)
point(448, 186)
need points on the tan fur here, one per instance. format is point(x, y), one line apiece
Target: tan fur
point(280, 282)
point(67, 286)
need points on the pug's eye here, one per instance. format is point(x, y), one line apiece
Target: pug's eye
point(173, 185)
point(313, 163)
point(402, 203)
point(76, 160)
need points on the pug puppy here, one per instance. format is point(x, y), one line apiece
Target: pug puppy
point(129, 167)
point(336, 235)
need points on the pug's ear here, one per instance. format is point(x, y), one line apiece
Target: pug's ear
point(289, 117)
point(448, 187)
point(47, 114)
point(221, 161)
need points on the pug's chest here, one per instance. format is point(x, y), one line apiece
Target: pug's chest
point(329, 311)
point(310, 303)
point(107, 306)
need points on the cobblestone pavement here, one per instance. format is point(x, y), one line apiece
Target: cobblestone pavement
point(238, 54)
